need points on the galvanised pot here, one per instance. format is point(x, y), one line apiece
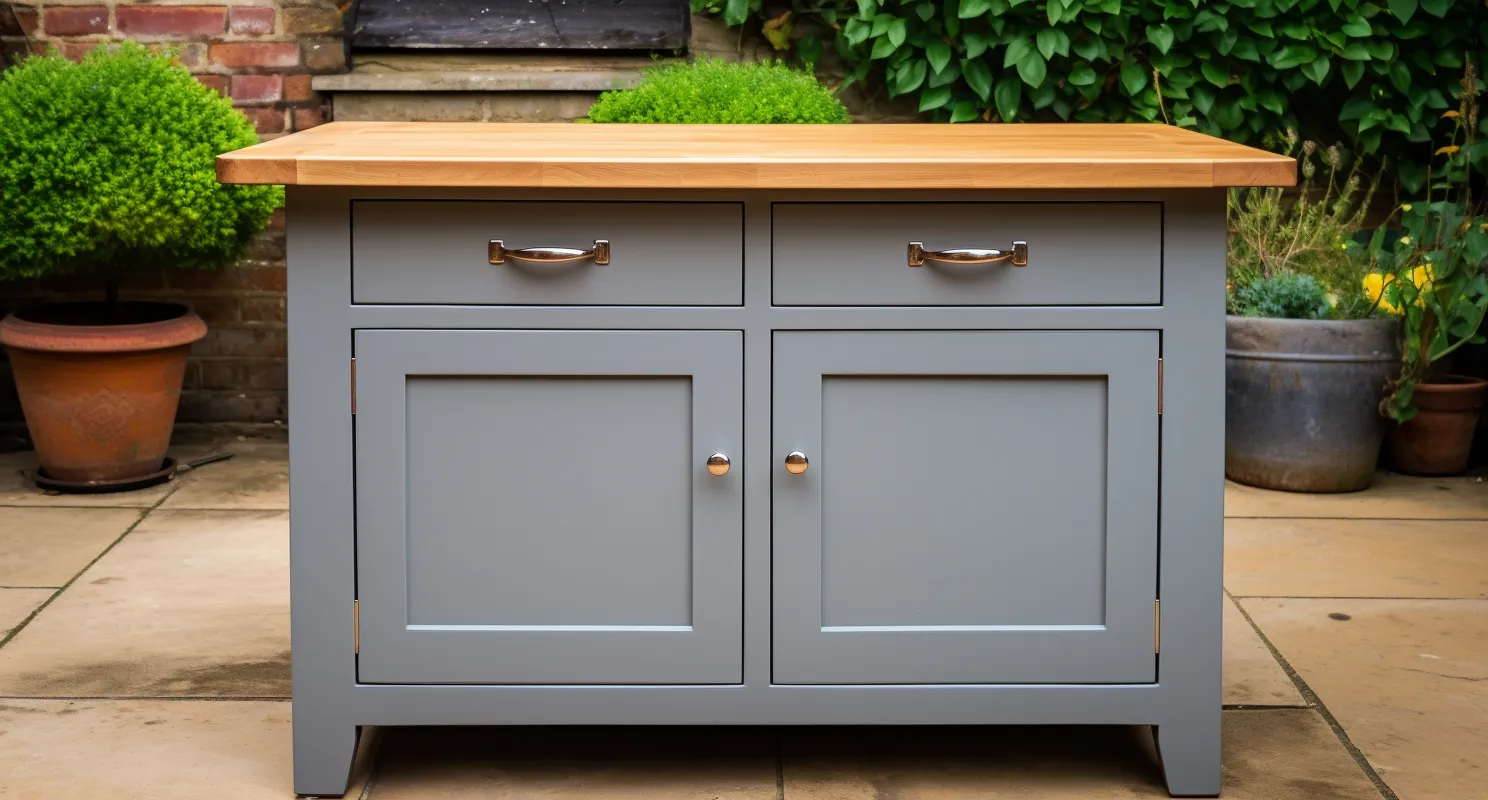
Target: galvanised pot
point(99, 384)
point(1302, 401)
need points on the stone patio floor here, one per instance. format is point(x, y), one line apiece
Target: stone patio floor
point(144, 652)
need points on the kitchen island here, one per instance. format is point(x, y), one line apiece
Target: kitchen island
point(756, 425)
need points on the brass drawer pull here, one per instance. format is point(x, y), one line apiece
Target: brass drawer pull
point(600, 253)
point(1018, 256)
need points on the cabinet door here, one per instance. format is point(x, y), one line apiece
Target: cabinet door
point(534, 507)
point(978, 507)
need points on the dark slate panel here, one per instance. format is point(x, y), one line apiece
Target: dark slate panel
point(521, 24)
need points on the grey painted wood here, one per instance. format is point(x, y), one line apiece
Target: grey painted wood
point(533, 506)
point(660, 253)
point(854, 254)
point(330, 704)
point(981, 507)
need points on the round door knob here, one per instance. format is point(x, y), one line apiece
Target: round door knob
point(796, 463)
point(718, 464)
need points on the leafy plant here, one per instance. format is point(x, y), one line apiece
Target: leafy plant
point(108, 165)
point(1283, 297)
point(1276, 234)
point(1436, 275)
point(1375, 73)
point(713, 91)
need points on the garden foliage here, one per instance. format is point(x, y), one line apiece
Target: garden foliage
point(1285, 296)
point(1374, 73)
point(713, 91)
point(108, 165)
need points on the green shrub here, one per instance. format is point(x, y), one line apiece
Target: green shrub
point(712, 91)
point(1283, 297)
point(108, 165)
point(1377, 73)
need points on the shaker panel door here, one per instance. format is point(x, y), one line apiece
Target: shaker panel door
point(977, 507)
point(534, 507)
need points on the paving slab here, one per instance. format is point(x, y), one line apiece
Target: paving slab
point(1407, 679)
point(46, 547)
point(17, 489)
point(149, 750)
point(1252, 677)
point(576, 764)
point(1280, 754)
point(1391, 497)
point(17, 604)
point(257, 476)
point(1356, 558)
point(189, 604)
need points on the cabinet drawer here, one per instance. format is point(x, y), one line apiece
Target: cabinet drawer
point(439, 252)
point(857, 254)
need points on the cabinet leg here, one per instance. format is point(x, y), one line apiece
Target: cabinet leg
point(1190, 756)
point(323, 755)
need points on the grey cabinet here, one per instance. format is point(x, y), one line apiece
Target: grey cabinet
point(977, 507)
point(534, 507)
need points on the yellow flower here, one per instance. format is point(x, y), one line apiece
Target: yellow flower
point(1374, 287)
point(1405, 206)
point(1405, 239)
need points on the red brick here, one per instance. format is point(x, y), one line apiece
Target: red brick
point(251, 21)
point(308, 20)
point(276, 222)
point(325, 56)
point(171, 20)
point(257, 88)
point(9, 25)
point(217, 83)
point(76, 20)
point(263, 309)
point(73, 51)
point(215, 311)
point(243, 343)
point(265, 120)
point(255, 54)
point(305, 118)
point(297, 87)
point(28, 19)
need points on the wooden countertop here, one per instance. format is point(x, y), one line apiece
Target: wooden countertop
point(938, 156)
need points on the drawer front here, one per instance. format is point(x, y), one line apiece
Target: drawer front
point(536, 507)
point(856, 254)
point(976, 507)
point(438, 252)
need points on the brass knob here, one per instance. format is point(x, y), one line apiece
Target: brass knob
point(796, 463)
point(718, 464)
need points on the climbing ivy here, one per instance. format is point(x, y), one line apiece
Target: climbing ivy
point(1377, 74)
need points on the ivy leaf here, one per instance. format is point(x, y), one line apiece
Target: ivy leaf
point(965, 111)
point(931, 99)
point(1317, 70)
point(970, 9)
point(1091, 49)
point(1215, 74)
point(1261, 27)
point(945, 77)
point(909, 77)
point(925, 11)
point(1161, 36)
point(882, 48)
point(976, 44)
point(1081, 74)
point(1403, 9)
point(1351, 71)
point(1052, 41)
point(1400, 76)
point(1270, 100)
point(1436, 8)
point(979, 77)
point(736, 12)
point(898, 31)
point(1133, 77)
point(1355, 52)
point(1017, 50)
point(855, 31)
point(1203, 98)
point(809, 50)
point(1009, 94)
point(938, 53)
point(881, 24)
point(866, 9)
point(1292, 56)
point(1357, 26)
point(1032, 69)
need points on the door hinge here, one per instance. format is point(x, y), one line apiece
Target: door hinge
point(353, 385)
point(356, 626)
point(1157, 626)
point(1159, 386)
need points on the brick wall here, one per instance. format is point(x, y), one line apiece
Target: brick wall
point(261, 53)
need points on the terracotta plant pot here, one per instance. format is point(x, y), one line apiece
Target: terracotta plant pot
point(99, 384)
point(1437, 440)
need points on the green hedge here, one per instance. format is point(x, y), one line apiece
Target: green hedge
point(711, 91)
point(1377, 75)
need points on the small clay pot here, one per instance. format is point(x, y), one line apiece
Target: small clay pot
point(99, 383)
point(1438, 439)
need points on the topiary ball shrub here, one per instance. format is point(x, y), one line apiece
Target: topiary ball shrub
point(109, 165)
point(1283, 297)
point(722, 92)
